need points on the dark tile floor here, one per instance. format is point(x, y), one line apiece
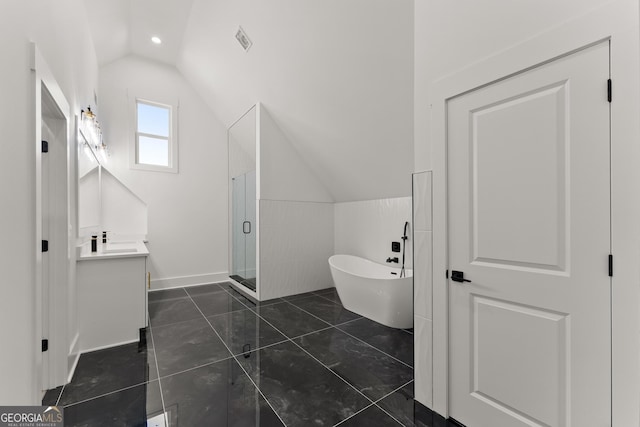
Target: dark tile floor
point(214, 357)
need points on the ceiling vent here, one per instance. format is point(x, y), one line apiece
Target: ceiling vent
point(243, 39)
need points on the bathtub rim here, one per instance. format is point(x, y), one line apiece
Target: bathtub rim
point(408, 271)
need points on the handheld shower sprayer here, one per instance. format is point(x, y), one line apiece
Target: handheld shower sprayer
point(404, 242)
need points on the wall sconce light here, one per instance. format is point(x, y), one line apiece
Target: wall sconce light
point(90, 128)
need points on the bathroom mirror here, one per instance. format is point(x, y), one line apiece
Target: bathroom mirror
point(89, 176)
point(242, 201)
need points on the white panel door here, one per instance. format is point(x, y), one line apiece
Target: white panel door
point(529, 226)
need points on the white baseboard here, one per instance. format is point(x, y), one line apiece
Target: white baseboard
point(198, 279)
point(102, 347)
point(74, 356)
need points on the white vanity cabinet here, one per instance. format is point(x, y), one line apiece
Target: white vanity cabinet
point(112, 295)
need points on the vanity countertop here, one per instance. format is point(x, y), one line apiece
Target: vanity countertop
point(111, 250)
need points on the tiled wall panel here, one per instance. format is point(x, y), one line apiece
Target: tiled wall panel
point(422, 273)
point(423, 364)
point(422, 201)
point(423, 288)
point(296, 241)
point(367, 228)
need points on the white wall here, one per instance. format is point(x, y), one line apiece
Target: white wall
point(187, 224)
point(284, 174)
point(450, 36)
point(337, 77)
point(366, 229)
point(295, 228)
point(124, 214)
point(62, 36)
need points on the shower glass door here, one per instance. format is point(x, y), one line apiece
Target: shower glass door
point(243, 229)
point(242, 186)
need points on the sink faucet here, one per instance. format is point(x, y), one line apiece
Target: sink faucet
point(394, 259)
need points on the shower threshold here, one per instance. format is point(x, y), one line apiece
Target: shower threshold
point(247, 283)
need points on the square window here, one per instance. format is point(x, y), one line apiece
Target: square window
point(155, 143)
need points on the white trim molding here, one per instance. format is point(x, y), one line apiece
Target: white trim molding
point(50, 369)
point(174, 111)
point(198, 279)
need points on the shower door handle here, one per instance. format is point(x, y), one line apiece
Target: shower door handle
point(246, 225)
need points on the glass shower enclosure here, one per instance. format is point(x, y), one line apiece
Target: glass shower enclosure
point(243, 221)
point(242, 189)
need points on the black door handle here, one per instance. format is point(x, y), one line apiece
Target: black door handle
point(458, 276)
point(244, 227)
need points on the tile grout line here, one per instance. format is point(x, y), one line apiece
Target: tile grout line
point(329, 299)
point(313, 357)
point(348, 321)
point(195, 367)
point(359, 339)
point(109, 393)
point(199, 310)
point(353, 336)
point(223, 290)
point(196, 318)
point(60, 395)
point(311, 314)
point(114, 391)
point(308, 312)
point(387, 395)
point(354, 414)
point(309, 333)
point(239, 364)
point(373, 403)
point(395, 390)
point(157, 366)
point(292, 303)
point(155, 356)
point(239, 354)
point(376, 405)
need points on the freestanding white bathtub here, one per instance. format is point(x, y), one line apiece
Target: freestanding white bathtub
point(373, 290)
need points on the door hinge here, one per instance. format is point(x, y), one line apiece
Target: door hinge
point(610, 265)
point(45, 246)
point(45, 345)
point(45, 146)
point(609, 90)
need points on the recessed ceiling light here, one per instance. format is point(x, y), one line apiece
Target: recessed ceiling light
point(156, 39)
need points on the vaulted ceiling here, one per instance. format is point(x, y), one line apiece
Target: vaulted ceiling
point(336, 75)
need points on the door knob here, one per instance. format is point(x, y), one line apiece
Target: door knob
point(458, 276)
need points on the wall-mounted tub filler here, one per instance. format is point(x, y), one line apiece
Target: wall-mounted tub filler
point(374, 290)
point(404, 243)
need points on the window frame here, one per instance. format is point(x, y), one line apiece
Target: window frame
point(171, 138)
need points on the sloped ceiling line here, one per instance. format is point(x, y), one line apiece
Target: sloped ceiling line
point(337, 76)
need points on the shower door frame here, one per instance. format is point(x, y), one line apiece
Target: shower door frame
point(249, 240)
point(238, 286)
